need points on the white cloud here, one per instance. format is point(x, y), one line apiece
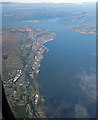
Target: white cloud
point(81, 111)
point(88, 83)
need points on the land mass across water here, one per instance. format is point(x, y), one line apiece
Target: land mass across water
point(95, 54)
point(76, 17)
point(88, 28)
point(35, 21)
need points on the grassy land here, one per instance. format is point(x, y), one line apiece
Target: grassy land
point(11, 48)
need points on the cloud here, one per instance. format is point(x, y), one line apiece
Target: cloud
point(80, 111)
point(88, 83)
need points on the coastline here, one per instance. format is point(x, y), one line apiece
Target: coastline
point(22, 85)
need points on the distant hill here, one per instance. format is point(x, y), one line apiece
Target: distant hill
point(5, 2)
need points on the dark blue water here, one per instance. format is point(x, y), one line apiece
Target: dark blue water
point(5, 57)
point(69, 54)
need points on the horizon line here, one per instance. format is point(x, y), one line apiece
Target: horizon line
point(48, 2)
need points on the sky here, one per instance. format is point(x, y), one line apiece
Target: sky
point(57, 1)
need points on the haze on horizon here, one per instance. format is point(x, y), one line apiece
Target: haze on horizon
point(48, 1)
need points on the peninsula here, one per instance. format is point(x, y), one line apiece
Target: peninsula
point(88, 28)
point(23, 49)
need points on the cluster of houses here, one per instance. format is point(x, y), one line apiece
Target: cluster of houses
point(36, 99)
point(19, 73)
